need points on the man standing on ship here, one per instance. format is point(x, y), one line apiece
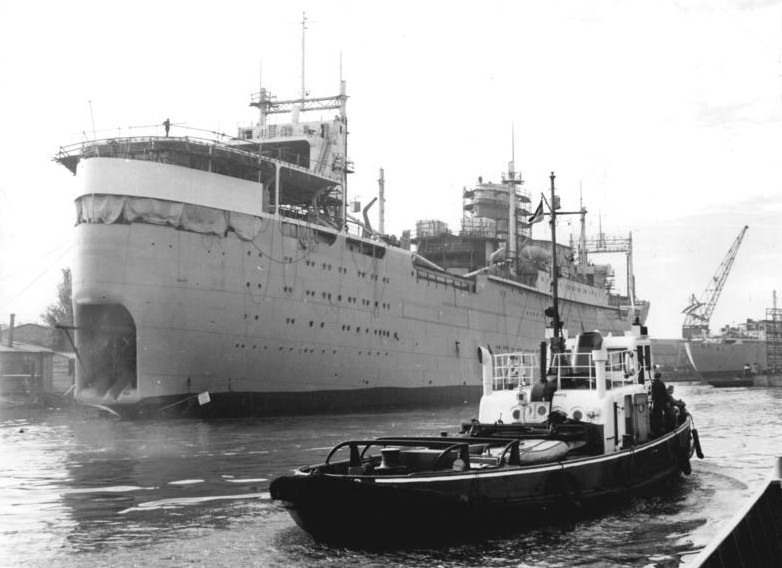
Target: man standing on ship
point(662, 419)
point(167, 126)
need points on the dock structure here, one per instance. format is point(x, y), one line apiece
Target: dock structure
point(31, 374)
point(754, 536)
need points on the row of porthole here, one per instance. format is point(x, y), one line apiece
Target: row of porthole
point(363, 274)
point(343, 270)
point(380, 332)
point(208, 251)
point(311, 350)
point(345, 327)
point(326, 266)
point(348, 299)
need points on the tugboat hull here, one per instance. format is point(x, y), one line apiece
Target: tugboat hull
point(435, 505)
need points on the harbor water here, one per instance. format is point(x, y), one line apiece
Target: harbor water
point(80, 488)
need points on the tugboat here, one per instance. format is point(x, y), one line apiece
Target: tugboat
point(579, 424)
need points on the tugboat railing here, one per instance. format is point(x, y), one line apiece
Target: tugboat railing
point(514, 370)
point(577, 370)
point(441, 443)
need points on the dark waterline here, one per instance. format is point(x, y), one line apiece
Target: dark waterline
point(80, 489)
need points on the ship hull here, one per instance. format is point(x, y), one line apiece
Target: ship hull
point(238, 404)
point(424, 506)
point(283, 317)
point(724, 361)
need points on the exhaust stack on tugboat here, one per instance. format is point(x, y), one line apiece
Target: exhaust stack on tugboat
point(569, 428)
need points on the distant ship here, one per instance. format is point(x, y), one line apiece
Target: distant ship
point(739, 355)
point(224, 276)
point(746, 354)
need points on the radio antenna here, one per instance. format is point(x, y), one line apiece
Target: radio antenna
point(92, 117)
point(303, 34)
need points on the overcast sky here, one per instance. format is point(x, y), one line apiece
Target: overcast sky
point(667, 115)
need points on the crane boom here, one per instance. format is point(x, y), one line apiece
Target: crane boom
point(698, 313)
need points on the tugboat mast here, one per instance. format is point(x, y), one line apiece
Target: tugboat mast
point(557, 340)
point(558, 343)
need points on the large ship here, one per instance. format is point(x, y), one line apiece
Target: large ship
point(739, 355)
point(220, 275)
point(745, 354)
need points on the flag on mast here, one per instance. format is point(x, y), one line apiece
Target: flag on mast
point(537, 216)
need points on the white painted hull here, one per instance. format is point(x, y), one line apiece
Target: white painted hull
point(284, 320)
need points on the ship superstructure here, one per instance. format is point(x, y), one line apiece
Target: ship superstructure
point(228, 270)
point(495, 239)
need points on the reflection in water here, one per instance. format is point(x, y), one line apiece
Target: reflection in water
point(78, 489)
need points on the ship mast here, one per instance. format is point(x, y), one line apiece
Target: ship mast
point(268, 104)
point(343, 98)
point(381, 191)
point(582, 257)
point(512, 180)
point(303, 35)
point(557, 340)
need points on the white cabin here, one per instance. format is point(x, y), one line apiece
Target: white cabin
point(600, 380)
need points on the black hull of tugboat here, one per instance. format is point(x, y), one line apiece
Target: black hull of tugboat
point(379, 510)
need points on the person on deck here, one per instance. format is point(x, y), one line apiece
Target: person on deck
point(680, 409)
point(662, 419)
point(167, 126)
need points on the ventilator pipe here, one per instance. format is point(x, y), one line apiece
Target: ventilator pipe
point(489, 266)
point(599, 358)
point(496, 253)
point(474, 272)
point(367, 224)
point(487, 366)
point(427, 262)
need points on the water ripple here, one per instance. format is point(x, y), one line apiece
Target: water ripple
point(77, 489)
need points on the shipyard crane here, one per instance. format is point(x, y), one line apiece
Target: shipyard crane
point(698, 313)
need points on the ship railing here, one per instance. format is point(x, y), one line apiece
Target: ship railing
point(153, 131)
point(514, 370)
point(576, 371)
point(124, 143)
point(129, 146)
